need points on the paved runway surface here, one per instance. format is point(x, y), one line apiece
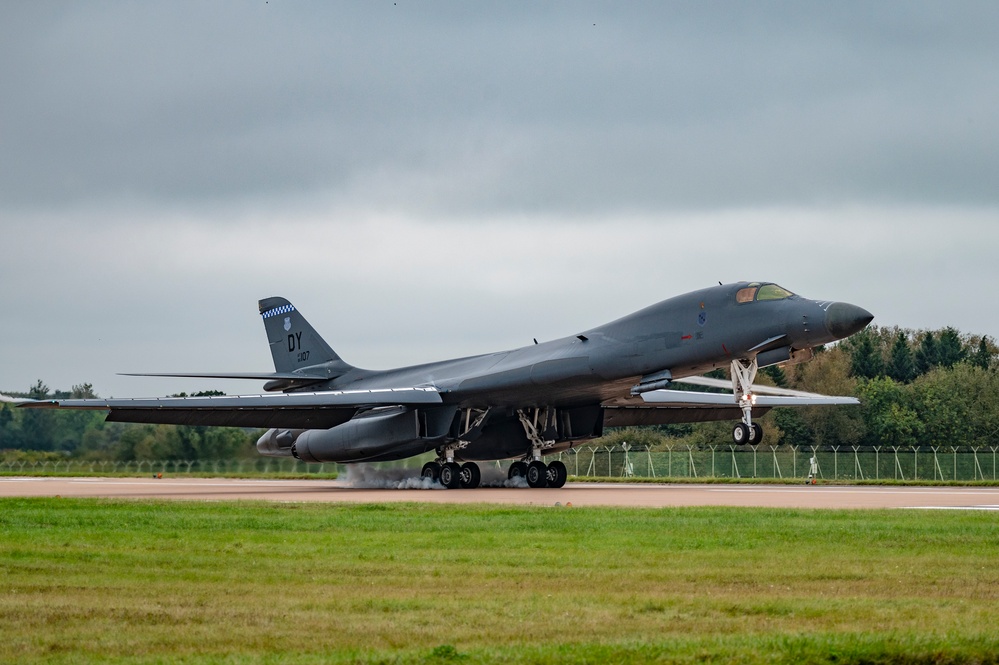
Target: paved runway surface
point(579, 494)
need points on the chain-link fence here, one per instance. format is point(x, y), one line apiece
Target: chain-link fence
point(942, 463)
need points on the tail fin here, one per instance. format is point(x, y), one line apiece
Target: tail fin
point(295, 345)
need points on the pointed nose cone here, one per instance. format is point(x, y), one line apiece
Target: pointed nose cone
point(843, 319)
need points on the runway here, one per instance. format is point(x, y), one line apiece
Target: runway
point(577, 494)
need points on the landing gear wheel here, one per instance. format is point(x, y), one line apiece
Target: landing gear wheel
point(757, 434)
point(431, 470)
point(741, 434)
point(556, 474)
point(451, 475)
point(470, 475)
point(536, 474)
point(517, 470)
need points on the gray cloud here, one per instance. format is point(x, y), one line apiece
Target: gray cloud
point(513, 106)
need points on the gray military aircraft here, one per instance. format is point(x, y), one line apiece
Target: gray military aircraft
point(520, 404)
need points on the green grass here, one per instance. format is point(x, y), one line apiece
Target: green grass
point(143, 582)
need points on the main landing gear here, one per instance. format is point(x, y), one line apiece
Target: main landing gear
point(538, 474)
point(539, 426)
point(449, 473)
point(453, 475)
point(743, 375)
point(541, 431)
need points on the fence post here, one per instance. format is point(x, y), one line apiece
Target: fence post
point(669, 461)
point(953, 450)
point(835, 462)
point(898, 465)
point(690, 458)
point(978, 467)
point(858, 471)
point(652, 467)
point(713, 474)
point(773, 450)
point(936, 463)
point(915, 463)
point(735, 465)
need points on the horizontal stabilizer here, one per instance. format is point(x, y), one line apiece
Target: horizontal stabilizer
point(261, 376)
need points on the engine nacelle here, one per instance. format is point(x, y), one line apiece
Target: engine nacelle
point(380, 434)
point(278, 442)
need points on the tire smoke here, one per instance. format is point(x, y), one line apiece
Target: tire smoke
point(380, 476)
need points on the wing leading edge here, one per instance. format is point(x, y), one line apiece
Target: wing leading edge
point(665, 407)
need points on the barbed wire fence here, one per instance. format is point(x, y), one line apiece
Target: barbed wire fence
point(854, 463)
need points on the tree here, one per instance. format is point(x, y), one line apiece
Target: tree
point(866, 361)
point(776, 374)
point(901, 364)
point(83, 391)
point(888, 413)
point(950, 350)
point(927, 356)
point(982, 358)
point(39, 390)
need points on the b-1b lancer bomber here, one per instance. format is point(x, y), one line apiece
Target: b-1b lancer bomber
point(522, 404)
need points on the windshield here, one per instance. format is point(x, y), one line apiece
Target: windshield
point(757, 291)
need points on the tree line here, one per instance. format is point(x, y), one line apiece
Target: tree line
point(917, 388)
point(49, 434)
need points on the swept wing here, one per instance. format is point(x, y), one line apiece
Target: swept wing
point(305, 410)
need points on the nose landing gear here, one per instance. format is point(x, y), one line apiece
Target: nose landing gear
point(743, 375)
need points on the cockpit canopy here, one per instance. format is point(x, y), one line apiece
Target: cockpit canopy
point(759, 291)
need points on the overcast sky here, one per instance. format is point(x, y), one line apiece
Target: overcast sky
point(432, 179)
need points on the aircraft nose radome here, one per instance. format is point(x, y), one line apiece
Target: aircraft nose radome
point(844, 319)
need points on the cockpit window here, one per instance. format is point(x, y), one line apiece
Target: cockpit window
point(772, 292)
point(747, 294)
point(756, 291)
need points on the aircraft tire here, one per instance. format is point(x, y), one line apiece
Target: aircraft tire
point(517, 470)
point(537, 474)
point(470, 475)
point(451, 475)
point(431, 470)
point(757, 434)
point(556, 474)
point(741, 434)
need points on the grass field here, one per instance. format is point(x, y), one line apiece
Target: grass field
point(143, 582)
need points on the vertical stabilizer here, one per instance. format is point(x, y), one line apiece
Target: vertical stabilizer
point(295, 345)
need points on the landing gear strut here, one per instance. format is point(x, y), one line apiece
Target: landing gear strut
point(743, 375)
point(541, 431)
